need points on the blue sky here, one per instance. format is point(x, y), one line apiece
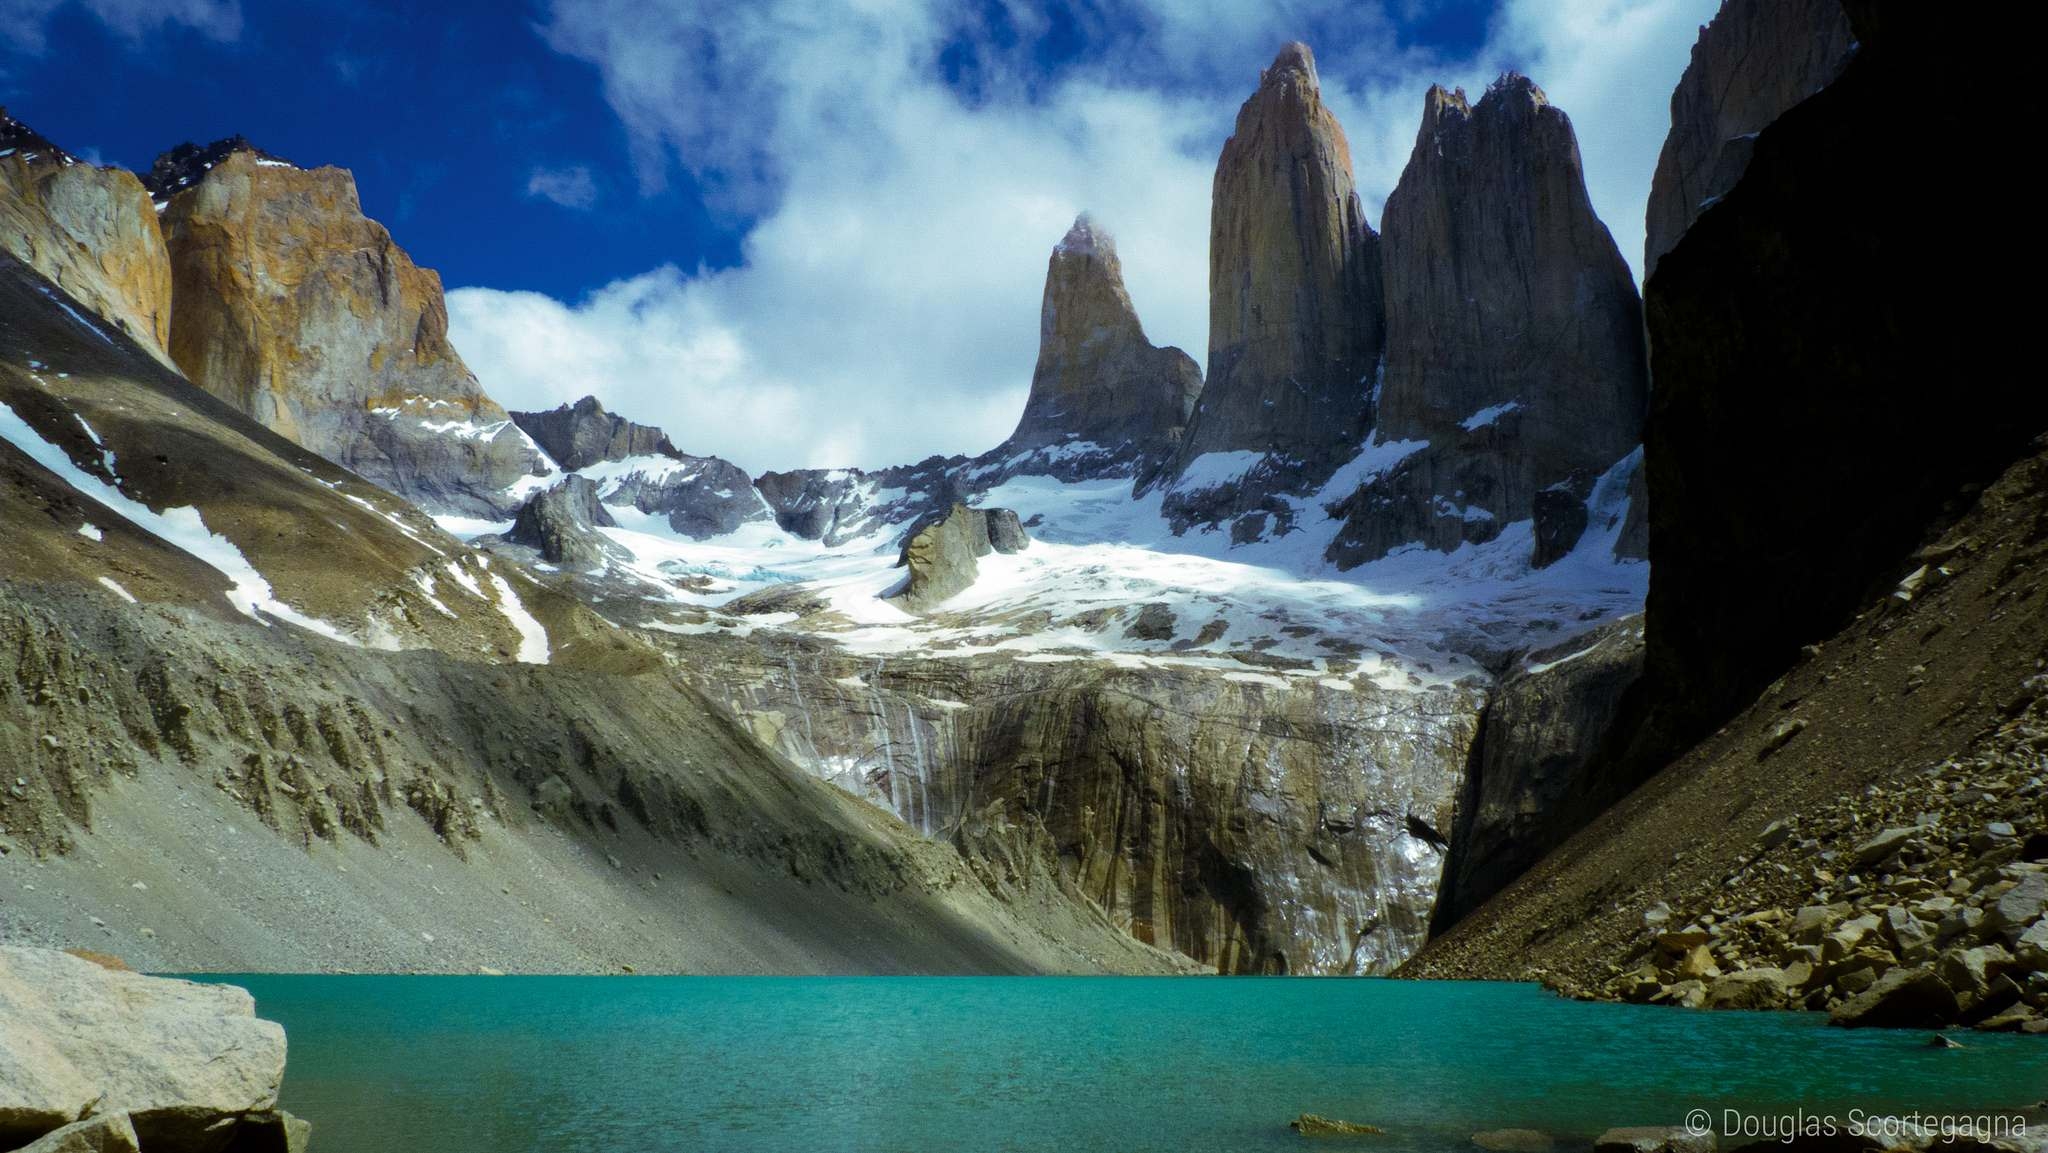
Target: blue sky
point(796, 232)
point(443, 121)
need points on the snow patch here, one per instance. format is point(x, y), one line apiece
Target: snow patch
point(182, 528)
point(533, 639)
point(115, 586)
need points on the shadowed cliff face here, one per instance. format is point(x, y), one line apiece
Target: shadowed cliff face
point(1824, 391)
point(1514, 333)
point(297, 309)
point(1295, 322)
point(1756, 59)
point(1098, 380)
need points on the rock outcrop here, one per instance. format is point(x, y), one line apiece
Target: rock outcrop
point(91, 230)
point(1296, 324)
point(562, 523)
point(1527, 786)
point(1752, 62)
point(1515, 360)
point(294, 307)
point(940, 553)
point(1798, 296)
point(1099, 381)
point(699, 496)
point(830, 505)
point(171, 1065)
point(580, 435)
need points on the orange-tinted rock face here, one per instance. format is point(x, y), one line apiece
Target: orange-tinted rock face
point(1295, 322)
point(296, 308)
point(92, 231)
point(1098, 379)
point(1755, 60)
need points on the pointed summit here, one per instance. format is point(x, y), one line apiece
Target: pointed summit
point(1295, 320)
point(1099, 380)
point(1514, 333)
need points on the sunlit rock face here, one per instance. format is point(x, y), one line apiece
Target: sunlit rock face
point(302, 312)
point(1296, 324)
point(91, 230)
point(1756, 59)
point(1515, 358)
point(1099, 382)
point(1255, 823)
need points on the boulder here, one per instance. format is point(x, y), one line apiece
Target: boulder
point(2019, 907)
point(582, 434)
point(1154, 623)
point(1763, 988)
point(1903, 998)
point(1653, 1139)
point(105, 1133)
point(1514, 1141)
point(1006, 530)
point(1561, 518)
point(175, 1056)
point(1099, 381)
point(1312, 1125)
point(941, 552)
point(562, 523)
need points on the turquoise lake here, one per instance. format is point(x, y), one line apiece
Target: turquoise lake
point(559, 1064)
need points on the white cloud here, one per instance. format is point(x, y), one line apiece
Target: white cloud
point(23, 21)
point(569, 187)
point(887, 302)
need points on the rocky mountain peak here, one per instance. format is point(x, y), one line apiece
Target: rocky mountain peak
point(18, 139)
point(1295, 315)
point(1099, 381)
point(1294, 65)
point(1515, 357)
point(582, 434)
point(1752, 62)
point(1087, 238)
point(188, 163)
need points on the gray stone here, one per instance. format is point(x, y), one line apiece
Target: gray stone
point(174, 1055)
point(1653, 1139)
point(105, 1133)
point(1154, 623)
point(562, 523)
point(583, 434)
point(1901, 999)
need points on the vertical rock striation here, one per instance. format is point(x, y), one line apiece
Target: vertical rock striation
point(91, 230)
point(1515, 359)
point(1099, 381)
point(302, 312)
point(1295, 318)
point(1753, 61)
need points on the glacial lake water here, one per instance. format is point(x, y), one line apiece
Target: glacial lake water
point(1057, 1065)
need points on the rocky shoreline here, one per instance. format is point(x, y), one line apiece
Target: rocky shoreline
point(97, 1059)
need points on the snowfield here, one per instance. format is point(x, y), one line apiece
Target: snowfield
point(1100, 556)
